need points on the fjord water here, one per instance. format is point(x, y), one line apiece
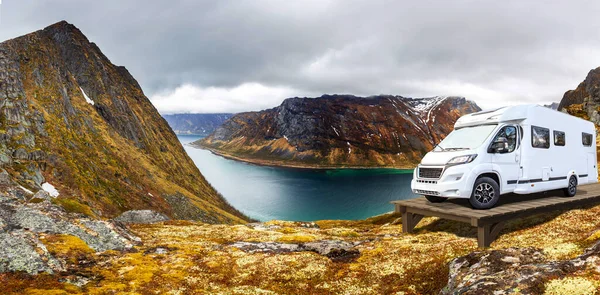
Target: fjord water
point(266, 193)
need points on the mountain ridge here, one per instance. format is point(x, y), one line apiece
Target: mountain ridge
point(339, 131)
point(196, 124)
point(584, 101)
point(72, 118)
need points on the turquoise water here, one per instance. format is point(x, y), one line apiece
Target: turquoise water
point(266, 193)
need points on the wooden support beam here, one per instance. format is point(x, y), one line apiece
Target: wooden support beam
point(399, 208)
point(487, 233)
point(409, 221)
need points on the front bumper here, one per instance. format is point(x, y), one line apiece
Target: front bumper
point(454, 183)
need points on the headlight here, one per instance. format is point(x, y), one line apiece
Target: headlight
point(461, 160)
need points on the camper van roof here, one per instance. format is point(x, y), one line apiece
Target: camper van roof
point(505, 114)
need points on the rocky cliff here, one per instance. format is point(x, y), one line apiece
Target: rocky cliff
point(72, 120)
point(340, 130)
point(584, 101)
point(197, 124)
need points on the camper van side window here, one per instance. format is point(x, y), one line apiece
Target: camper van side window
point(586, 139)
point(540, 137)
point(559, 138)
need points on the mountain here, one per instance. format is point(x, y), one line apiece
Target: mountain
point(197, 124)
point(553, 106)
point(340, 130)
point(73, 123)
point(584, 101)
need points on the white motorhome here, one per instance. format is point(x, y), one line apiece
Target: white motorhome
point(520, 149)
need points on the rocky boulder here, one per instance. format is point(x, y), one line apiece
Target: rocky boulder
point(333, 249)
point(513, 271)
point(141, 216)
point(24, 225)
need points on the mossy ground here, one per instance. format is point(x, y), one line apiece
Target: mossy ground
point(199, 259)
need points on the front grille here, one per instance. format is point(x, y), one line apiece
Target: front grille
point(431, 173)
point(427, 193)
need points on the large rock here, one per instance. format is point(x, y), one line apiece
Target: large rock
point(22, 251)
point(333, 249)
point(512, 271)
point(22, 223)
point(141, 216)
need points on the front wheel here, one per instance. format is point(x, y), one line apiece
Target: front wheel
point(486, 193)
point(571, 190)
point(435, 199)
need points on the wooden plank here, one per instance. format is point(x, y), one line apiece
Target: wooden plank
point(439, 214)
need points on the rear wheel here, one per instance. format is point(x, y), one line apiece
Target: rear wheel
point(486, 193)
point(571, 190)
point(435, 199)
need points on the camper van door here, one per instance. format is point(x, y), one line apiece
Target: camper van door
point(507, 161)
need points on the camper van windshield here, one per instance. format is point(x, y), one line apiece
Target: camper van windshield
point(465, 138)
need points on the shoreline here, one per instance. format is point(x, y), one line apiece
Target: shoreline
point(276, 164)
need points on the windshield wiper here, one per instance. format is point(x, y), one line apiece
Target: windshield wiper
point(439, 146)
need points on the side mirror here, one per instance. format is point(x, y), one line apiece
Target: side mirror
point(500, 145)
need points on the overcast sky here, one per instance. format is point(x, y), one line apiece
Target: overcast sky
point(232, 56)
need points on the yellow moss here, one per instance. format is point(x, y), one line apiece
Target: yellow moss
point(594, 237)
point(562, 251)
point(200, 259)
point(45, 292)
point(287, 230)
point(571, 286)
point(343, 232)
point(297, 238)
point(73, 206)
point(70, 248)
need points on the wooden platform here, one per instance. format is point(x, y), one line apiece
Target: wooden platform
point(490, 222)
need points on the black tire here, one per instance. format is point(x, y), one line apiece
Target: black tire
point(435, 199)
point(486, 193)
point(571, 189)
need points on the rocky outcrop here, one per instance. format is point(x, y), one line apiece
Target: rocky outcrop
point(340, 130)
point(513, 270)
point(70, 117)
point(333, 249)
point(196, 124)
point(585, 98)
point(24, 226)
point(141, 216)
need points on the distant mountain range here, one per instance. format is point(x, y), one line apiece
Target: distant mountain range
point(553, 106)
point(197, 124)
point(340, 131)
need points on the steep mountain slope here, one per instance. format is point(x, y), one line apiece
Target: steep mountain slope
point(584, 101)
point(69, 117)
point(199, 124)
point(340, 130)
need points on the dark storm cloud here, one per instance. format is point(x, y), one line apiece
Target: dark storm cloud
point(246, 55)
